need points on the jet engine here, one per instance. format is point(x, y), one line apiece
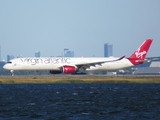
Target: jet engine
point(65, 69)
point(68, 69)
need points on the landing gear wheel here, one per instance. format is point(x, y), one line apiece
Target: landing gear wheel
point(12, 72)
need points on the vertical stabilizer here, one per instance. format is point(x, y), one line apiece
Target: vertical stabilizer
point(140, 54)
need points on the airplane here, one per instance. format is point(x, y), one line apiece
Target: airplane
point(75, 65)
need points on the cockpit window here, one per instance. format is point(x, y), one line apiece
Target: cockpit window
point(9, 62)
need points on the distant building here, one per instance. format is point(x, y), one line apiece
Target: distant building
point(9, 57)
point(69, 54)
point(65, 49)
point(19, 56)
point(0, 52)
point(108, 50)
point(2, 63)
point(37, 54)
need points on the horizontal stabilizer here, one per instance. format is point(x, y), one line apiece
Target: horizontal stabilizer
point(143, 61)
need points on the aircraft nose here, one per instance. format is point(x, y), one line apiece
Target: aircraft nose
point(5, 66)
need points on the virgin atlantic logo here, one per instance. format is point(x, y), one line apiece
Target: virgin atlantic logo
point(140, 54)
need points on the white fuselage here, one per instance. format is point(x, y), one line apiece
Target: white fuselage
point(52, 63)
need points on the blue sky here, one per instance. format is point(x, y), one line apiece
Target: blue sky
point(83, 26)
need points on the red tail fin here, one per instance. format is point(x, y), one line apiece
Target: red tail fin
point(139, 55)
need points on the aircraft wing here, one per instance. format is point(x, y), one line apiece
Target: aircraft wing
point(86, 65)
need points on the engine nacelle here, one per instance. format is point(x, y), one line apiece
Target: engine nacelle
point(68, 69)
point(55, 72)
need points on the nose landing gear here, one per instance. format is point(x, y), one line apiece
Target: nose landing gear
point(12, 72)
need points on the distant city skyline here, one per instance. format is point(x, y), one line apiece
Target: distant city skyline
point(107, 51)
point(67, 53)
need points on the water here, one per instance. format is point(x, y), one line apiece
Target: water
point(80, 101)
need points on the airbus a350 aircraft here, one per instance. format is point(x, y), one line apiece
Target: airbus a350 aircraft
point(76, 65)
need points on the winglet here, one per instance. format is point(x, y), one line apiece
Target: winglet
point(121, 57)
